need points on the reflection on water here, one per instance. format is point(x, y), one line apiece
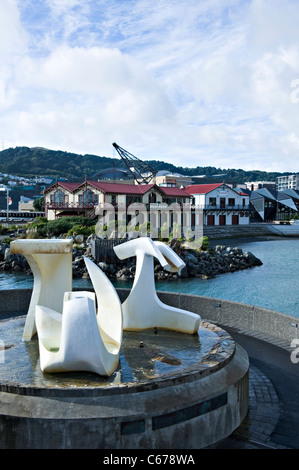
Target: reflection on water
point(145, 355)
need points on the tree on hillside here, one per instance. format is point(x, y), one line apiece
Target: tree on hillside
point(39, 204)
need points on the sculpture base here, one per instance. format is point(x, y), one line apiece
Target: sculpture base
point(170, 391)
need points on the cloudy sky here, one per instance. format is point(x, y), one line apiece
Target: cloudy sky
point(191, 82)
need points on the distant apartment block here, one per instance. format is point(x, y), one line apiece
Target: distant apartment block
point(288, 182)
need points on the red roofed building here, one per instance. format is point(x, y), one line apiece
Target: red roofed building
point(202, 188)
point(86, 198)
point(221, 204)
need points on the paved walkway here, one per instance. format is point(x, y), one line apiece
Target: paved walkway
point(273, 417)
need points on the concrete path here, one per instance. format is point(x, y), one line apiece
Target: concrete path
point(273, 418)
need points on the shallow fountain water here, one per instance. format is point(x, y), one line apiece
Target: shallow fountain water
point(145, 356)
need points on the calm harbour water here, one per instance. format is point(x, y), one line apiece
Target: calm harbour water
point(273, 285)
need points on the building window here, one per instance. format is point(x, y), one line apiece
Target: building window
point(88, 197)
point(152, 198)
point(212, 201)
point(222, 203)
point(58, 197)
point(231, 201)
point(133, 199)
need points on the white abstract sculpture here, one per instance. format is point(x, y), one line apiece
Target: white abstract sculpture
point(143, 309)
point(109, 308)
point(82, 339)
point(51, 265)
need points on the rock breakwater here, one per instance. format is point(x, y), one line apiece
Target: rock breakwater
point(202, 264)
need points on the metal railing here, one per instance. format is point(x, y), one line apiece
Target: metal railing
point(142, 206)
point(238, 207)
point(69, 205)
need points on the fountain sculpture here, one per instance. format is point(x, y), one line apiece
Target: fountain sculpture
point(79, 337)
point(143, 309)
point(75, 342)
point(82, 338)
point(51, 265)
point(133, 371)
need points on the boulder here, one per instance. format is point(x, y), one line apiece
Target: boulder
point(252, 260)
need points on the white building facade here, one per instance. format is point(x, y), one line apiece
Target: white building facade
point(221, 204)
point(288, 182)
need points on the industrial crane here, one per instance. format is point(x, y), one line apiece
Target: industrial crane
point(141, 171)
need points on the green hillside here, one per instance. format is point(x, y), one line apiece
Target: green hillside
point(37, 161)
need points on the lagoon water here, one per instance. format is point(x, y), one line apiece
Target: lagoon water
point(274, 285)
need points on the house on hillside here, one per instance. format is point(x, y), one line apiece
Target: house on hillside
point(221, 204)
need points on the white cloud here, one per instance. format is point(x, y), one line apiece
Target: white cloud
point(13, 40)
point(12, 35)
point(90, 95)
point(192, 83)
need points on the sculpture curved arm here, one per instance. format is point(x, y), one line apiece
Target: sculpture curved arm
point(174, 262)
point(143, 245)
point(143, 309)
point(82, 337)
point(74, 343)
point(109, 308)
point(49, 327)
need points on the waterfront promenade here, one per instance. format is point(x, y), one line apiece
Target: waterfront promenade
point(260, 230)
point(273, 417)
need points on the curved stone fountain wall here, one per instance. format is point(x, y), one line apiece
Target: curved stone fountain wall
point(235, 314)
point(249, 318)
point(191, 409)
point(188, 410)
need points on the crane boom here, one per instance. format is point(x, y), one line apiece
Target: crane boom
point(142, 172)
